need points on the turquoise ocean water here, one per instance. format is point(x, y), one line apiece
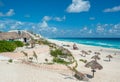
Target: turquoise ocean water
point(103, 42)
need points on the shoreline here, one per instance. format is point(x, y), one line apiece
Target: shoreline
point(85, 45)
point(108, 69)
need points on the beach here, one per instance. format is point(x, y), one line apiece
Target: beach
point(110, 71)
point(22, 72)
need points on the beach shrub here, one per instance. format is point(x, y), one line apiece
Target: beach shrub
point(19, 43)
point(84, 61)
point(61, 61)
point(10, 60)
point(60, 57)
point(43, 41)
point(53, 53)
point(27, 44)
point(6, 46)
point(76, 64)
point(9, 46)
point(56, 52)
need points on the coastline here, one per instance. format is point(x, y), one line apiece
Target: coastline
point(101, 42)
point(108, 72)
point(85, 45)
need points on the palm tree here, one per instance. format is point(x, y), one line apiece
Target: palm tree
point(96, 57)
point(25, 54)
point(94, 65)
point(35, 56)
point(109, 56)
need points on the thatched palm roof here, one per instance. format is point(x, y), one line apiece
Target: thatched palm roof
point(75, 46)
point(109, 56)
point(95, 57)
point(84, 52)
point(98, 53)
point(13, 35)
point(89, 51)
point(94, 65)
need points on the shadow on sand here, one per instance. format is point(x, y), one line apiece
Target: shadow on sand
point(106, 60)
point(89, 76)
point(67, 76)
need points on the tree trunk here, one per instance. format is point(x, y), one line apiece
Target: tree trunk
point(109, 59)
point(93, 72)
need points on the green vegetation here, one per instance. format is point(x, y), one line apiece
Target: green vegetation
point(19, 43)
point(60, 57)
point(6, 46)
point(10, 60)
point(84, 61)
point(43, 41)
point(27, 44)
point(59, 53)
point(56, 53)
point(9, 46)
point(60, 61)
point(64, 56)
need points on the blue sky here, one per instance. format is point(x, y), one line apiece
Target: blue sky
point(62, 18)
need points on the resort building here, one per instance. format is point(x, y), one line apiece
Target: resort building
point(19, 35)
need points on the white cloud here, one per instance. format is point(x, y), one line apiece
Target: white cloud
point(90, 31)
point(46, 18)
point(10, 12)
point(2, 25)
point(117, 26)
point(16, 25)
point(100, 29)
point(44, 24)
point(7, 14)
point(54, 29)
point(108, 29)
point(45, 29)
point(114, 9)
point(85, 28)
point(59, 18)
point(41, 27)
point(78, 6)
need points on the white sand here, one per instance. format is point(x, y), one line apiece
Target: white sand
point(25, 73)
point(17, 72)
point(110, 71)
point(4, 58)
